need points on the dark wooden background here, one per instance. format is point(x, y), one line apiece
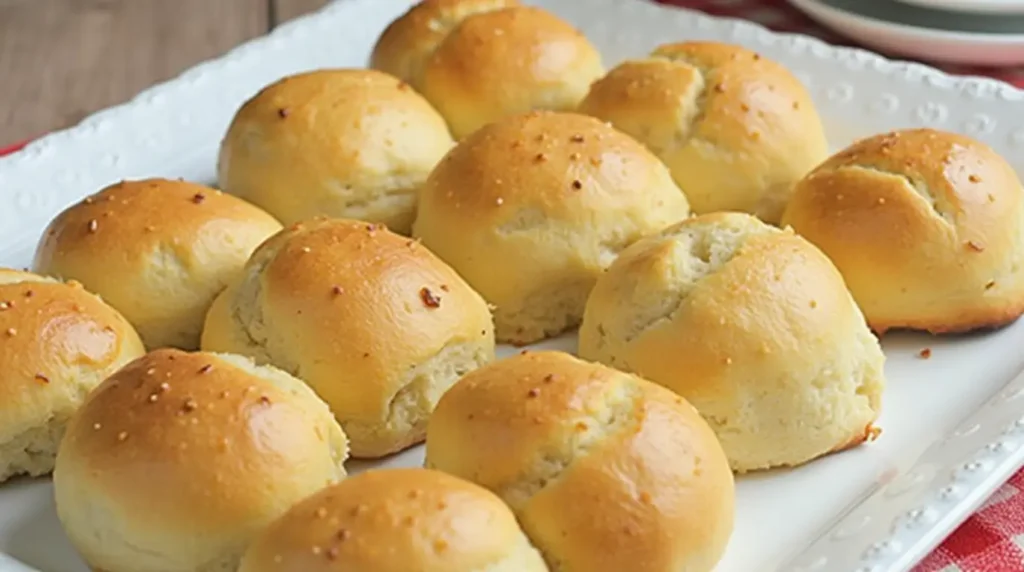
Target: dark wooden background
point(61, 60)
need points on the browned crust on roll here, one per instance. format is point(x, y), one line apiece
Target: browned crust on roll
point(871, 432)
point(965, 323)
point(409, 41)
point(926, 226)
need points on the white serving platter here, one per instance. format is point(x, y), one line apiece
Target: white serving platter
point(953, 424)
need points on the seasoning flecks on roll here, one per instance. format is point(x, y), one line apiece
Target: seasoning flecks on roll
point(396, 520)
point(926, 227)
point(178, 460)
point(373, 321)
point(478, 61)
point(531, 209)
point(343, 143)
point(736, 129)
point(157, 250)
point(57, 342)
point(605, 471)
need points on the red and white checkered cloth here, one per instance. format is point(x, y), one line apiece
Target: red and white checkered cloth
point(992, 540)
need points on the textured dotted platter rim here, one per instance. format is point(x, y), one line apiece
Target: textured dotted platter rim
point(899, 513)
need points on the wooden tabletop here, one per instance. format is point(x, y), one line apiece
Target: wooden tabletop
point(61, 60)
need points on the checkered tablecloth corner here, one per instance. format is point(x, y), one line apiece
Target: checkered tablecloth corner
point(991, 540)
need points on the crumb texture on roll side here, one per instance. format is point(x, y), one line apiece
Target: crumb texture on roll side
point(479, 61)
point(605, 471)
point(753, 326)
point(347, 143)
point(737, 130)
point(406, 45)
point(373, 321)
point(178, 460)
point(927, 228)
point(157, 250)
point(531, 209)
point(57, 342)
point(396, 520)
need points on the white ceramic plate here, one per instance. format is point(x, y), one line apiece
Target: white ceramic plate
point(953, 428)
point(921, 33)
point(972, 6)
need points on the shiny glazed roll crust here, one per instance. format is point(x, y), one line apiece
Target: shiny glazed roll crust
point(178, 460)
point(753, 326)
point(605, 471)
point(374, 322)
point(341, 143)
point(57, 342)
point(396, 520)
point(407, 44)
point(478, 61)
point(530, 210)
point(157, 250)
point(736, 129)
point(926, 227)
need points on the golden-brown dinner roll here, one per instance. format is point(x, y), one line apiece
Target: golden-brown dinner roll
point(179, 459)
point(926, 227)
point(157, 250)
point(736, 129)
point(753, 326)
point(530, 210)
point(478, 61)
point(606, 471)
point(408, 43)
point(57, 342)
point(374, 322)
point(396, 520)
point(341, 143)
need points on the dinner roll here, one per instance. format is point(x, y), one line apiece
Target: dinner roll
point(57, 342)
point(398, 520)
point(753, 326)
point(179, 459)
point(341, 143)
point(606, 472)
point(156, 250)
point(736, 129)
point(374, 322)
point(478, 61)
point(532, 209)
point(407, 44)
point(926, 227)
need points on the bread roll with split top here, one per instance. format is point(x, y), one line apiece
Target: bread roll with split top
point(478, 61)
point(605, 471)
point(752, 325)
point(736, 129)
point(927, 228)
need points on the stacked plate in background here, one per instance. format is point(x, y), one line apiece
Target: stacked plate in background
point(976, 32)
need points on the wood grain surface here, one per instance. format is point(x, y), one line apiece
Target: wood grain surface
point(61, 60)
